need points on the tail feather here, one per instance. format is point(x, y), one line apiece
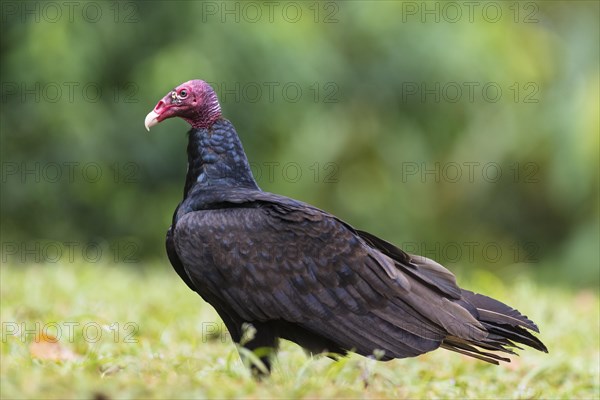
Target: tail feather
point(460, 346)
point(506, 327)
point(493, 311)
point(517, 334)
point(475, 324)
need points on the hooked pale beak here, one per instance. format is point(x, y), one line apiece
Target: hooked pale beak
point(151, 120)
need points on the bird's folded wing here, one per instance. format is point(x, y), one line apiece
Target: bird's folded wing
point(279, 260)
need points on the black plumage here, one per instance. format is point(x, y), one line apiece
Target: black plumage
point(295, 272)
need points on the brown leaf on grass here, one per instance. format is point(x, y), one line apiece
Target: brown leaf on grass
point(48, 347)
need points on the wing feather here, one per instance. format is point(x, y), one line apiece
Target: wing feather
point(329, 277)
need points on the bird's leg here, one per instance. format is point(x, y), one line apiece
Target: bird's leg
point(255, 342)
point(258, 345)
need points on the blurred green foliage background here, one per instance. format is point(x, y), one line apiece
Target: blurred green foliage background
point(465, 132)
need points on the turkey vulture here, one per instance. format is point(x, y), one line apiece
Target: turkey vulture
point(293, 271)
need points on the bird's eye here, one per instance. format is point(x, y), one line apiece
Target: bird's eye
point(183, 94)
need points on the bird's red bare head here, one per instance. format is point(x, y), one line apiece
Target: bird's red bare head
point(194, 101)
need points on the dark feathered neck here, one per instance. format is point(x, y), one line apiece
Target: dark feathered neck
point(216, 158)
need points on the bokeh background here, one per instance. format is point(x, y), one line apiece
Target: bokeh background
point(467, 132)
point(464, 132)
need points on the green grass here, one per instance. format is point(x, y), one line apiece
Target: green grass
point(179, 351)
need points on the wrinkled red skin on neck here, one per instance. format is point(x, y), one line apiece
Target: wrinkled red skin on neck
point(200, 108)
